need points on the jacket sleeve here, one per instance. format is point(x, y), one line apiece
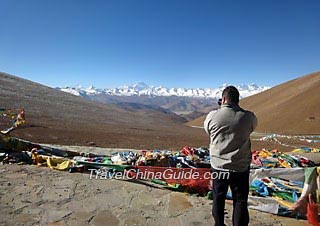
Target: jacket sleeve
point(254, 122)
point(207, 121)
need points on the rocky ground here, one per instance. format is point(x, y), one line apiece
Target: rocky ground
point(32, 195)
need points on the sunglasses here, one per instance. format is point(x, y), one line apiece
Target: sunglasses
point(220, 102)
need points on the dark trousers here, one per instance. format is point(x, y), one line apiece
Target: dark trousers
point(239, 185)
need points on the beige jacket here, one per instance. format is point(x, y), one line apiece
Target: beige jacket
point(229, 129)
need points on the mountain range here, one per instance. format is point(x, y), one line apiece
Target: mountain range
point(57, 117)
point(142, 89)
point(188, 103)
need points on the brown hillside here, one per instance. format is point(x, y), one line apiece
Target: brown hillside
point(289, 108)
point(61, 118)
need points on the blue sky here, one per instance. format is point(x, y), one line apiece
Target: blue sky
point(186, 43)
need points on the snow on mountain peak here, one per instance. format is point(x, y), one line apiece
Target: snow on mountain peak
point(92, 90)
point(142, 89)
point(139, 86)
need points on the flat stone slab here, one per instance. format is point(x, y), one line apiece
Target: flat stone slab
point(105, 218)
point(178, 204)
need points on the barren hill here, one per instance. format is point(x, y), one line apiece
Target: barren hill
point(180, 105)
point(57, 117)
point(290, 108)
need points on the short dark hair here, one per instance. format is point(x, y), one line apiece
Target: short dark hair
point(232, 94)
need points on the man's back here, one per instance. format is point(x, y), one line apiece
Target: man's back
point(229, 129)
point(230, 149)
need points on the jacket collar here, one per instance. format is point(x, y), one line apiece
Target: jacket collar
point(234, 106)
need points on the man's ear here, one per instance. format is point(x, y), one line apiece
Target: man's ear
point(224, 100)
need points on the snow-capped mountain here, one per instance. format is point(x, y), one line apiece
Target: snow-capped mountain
point(189, 103)
point(142, 89)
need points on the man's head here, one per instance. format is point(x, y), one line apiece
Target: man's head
point(230, 95)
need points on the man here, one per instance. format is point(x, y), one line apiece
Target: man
point(230, 150)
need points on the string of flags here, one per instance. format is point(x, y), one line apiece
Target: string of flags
point(12, 118)
point(276, 138)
